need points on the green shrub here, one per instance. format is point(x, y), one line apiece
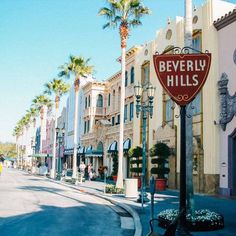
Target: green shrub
point(159, 153)
point(110, 188)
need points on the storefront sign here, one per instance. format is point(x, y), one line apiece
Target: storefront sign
point(182, 75)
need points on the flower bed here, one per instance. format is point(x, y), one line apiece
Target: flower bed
point(204, 220)
point(110, 188)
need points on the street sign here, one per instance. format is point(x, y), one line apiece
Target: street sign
point(182, 75)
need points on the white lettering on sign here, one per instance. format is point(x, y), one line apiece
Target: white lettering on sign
point(180, 80)
point(182, 65)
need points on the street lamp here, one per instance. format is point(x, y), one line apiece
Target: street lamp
point(60, 137)
point(146, 107)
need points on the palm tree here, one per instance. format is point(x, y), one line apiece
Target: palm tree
point(40, 103)
point(125, 14)
point(59, 88)
point(17, 132)
point(79, 67)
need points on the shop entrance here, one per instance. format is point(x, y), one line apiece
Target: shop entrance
point(232, 162)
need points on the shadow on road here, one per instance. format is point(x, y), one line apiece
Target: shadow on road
point(83, 220)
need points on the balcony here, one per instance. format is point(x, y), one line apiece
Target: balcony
point(94, 111)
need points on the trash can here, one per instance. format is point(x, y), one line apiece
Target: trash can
point(131, 188)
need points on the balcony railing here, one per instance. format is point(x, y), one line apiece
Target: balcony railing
point(95, 111)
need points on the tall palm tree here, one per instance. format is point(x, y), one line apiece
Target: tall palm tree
point(79, 67)
point(40, 103)
point(125, 14)
point(17, 132)
point(59, 88)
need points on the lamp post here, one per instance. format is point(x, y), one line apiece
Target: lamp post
point(144, 106)
point(60, 138)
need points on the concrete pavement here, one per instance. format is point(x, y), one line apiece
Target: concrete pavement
point(165, 200)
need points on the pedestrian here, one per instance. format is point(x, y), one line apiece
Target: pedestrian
point(1, 168)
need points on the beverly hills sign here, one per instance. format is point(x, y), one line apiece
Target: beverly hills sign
point(182, 75)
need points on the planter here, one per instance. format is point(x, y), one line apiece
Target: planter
point(205, 220)
point(139, 181)
point(161, 184)
point(114, 177)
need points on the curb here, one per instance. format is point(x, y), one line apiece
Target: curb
point(130, 210)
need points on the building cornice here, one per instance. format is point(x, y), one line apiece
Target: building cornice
point(225, 20)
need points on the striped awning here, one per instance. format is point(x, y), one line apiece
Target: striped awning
point(127, 144)
point(68, 151)
point(81, 150)
point(112, 147)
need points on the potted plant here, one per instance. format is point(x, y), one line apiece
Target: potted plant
point(114, 166)
point(159, 153)
point(135, 162)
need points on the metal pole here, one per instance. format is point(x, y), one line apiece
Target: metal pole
point(58, 159)
point(143, 197)
point(181, 229)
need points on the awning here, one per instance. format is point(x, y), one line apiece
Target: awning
point(112, 147)
point(41, 155)
point(81, 150)
point(68, 151)
point(89, 149)
point(127, 144)
point(90, 152)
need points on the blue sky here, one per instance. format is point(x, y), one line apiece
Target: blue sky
point(37, 36)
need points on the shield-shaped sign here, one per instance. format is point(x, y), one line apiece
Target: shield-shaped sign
point(182, 75)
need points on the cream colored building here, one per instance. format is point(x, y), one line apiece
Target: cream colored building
point(102, 116)
point(226, 122)
point(165, 125)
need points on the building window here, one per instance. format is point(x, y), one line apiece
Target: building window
point(126, 78)
point(118, 120)
point(109, 99)
point(100, 101)
point(85, 128)
point(125, 112)
point(196, 103)
point(145, 73)
point(169, 110)
point(196, 43)
point(113, 120)
point(131, 111)
point(88, 126)
point(89, 101)
point(86, 101)
point(132, 75)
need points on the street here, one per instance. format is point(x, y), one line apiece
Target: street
point(35, 206)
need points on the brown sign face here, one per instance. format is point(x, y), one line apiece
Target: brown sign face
point(182, 75)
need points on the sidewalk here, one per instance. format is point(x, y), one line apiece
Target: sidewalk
point(169, 199)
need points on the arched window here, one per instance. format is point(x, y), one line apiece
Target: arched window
point(86, 102)
point(132, 75)
point(100, 101)
point(126, 78)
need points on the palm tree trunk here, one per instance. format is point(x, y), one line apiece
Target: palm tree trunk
point(119, 183)
point(74, 175)
point(189, 128)
point(41, 129)
point(54, 151)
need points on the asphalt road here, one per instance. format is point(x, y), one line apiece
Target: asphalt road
point(35, 206)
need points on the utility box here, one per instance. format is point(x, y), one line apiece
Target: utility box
point(131, 188)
